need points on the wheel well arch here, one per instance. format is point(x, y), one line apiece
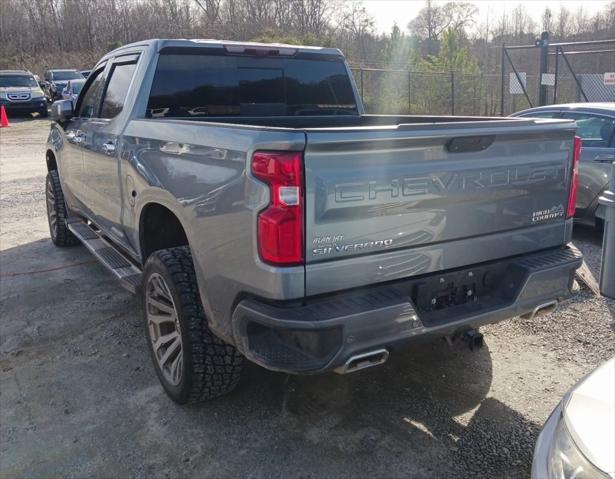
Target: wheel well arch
point(159, 228)
point(50, 159)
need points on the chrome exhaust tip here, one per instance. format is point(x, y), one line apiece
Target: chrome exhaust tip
point(363, 361)
point(541, 310)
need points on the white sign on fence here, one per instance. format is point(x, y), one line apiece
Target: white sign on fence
point(515, 87)
point(548, 79)
point(609, 78)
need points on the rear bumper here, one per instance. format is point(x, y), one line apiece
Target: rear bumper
point(323, 333)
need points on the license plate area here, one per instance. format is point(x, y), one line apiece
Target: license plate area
point(447, 296)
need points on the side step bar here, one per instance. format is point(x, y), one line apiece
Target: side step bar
point(122, 268)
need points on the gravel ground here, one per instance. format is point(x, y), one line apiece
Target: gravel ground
point(79, 397)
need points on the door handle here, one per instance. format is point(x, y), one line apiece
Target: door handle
point(109, 148)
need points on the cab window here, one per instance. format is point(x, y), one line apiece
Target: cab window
point(117, 89)
point(90, 98)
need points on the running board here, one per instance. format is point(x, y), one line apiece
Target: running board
point(122, 268)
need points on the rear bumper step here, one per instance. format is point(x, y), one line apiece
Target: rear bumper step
point(353, 328)
point(120, 266)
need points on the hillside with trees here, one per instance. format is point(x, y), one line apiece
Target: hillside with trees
point(443, 38)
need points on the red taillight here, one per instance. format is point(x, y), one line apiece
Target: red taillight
point(574, 179)
point(280, 225)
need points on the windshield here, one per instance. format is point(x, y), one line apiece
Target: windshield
point(17, 80)
point(217, 85)
point(59, 76)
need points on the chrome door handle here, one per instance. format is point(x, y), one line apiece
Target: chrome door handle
point(109, 148)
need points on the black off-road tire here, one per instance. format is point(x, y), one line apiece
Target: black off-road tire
point(57, 213)
point(211, 367)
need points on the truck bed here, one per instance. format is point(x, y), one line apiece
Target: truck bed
point(347, 121)
point(388, 197)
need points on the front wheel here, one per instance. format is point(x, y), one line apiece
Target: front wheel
point(57, 214)
point(192, 364)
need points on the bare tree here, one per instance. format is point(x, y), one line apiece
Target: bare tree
point(563, 22)
point(432, 20)
point(547, 20)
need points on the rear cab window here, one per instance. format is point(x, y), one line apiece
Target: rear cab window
point(205, 84)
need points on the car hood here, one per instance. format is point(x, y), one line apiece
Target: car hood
point(589, 412)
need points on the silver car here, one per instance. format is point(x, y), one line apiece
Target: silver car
point(578, 439)
point(596, 127)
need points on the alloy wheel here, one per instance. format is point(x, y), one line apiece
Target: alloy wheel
point(164, 328)
point(52, 215)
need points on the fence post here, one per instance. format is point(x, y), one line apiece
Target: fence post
point(452, 92)
point(556, 75)
point(544, 66)
point(502, 69)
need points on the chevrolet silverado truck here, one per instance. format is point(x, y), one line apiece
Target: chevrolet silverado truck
point(241, 190)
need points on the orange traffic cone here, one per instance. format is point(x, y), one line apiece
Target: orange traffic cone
point(4, 120)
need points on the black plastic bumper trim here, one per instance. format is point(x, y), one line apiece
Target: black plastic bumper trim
point(384, 316)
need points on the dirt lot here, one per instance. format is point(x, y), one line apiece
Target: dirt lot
point(79, 396)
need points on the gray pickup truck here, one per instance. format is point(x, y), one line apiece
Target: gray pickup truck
point(243, 193)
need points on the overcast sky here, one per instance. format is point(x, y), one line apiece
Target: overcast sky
point(387, 12)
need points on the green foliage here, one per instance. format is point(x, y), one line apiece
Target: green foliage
point(453, 56)
point(400, 50)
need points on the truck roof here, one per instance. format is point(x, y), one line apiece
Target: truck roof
point(161, 43)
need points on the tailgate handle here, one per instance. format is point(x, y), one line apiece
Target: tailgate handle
point(465, 144)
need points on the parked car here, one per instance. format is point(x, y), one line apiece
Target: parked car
point(243, 193)
point(20, 93)
point(578, 439)
point(596, 127)
point(55, 81)
point(85, 73)
point(72, 90)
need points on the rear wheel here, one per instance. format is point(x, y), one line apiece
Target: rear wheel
point(57, 214)
point(192, 364)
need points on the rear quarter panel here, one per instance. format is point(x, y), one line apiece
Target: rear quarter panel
point(201, 173)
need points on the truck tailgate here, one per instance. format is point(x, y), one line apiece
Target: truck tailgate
point(386, 203)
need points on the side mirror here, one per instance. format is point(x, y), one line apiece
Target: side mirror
point(62, 110)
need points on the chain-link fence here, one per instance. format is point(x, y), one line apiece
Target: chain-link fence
point(530, 75)
point(427, 93)
point(549, 73)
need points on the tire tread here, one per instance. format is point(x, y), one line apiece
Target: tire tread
point(216, 366)
point(64, 236)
